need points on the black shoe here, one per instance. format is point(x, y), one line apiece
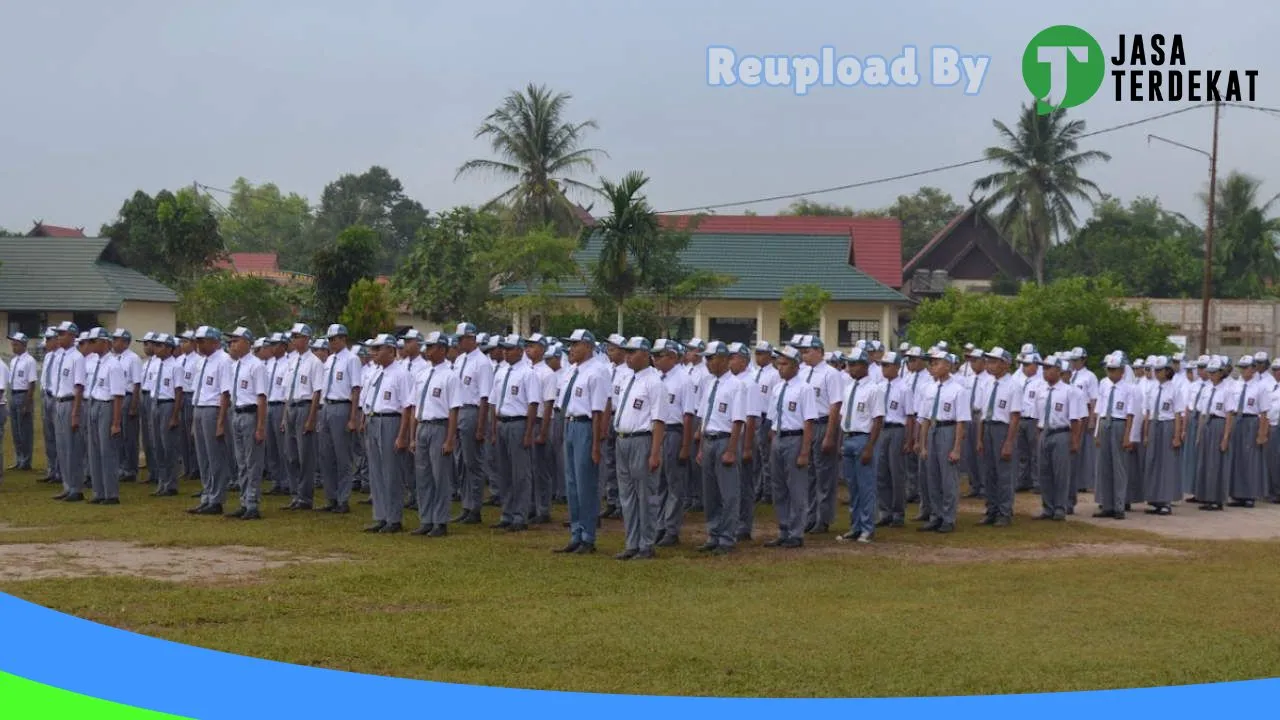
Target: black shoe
point(988, 520)
point(302, 506)
point(329, 507)
point(668, 541)
point(341, 509)
point(743, 537)
point(626, 554)
point(973, 494)
point(930, 526)
point(423, 529)
point(1119, 515)
point(236, 515)
point(517, 527)
point(96, 501)
point(1153, 510)
point(719, 550)
point(776, 542)
point(571, 547)
point(540, 520)
point(819, 529)
point(251, 515)
point(169, 493)
point(585, 548)
point(473, 518)
point(646, 554)
point(111, 501)
point(73, 497)
point(809, 527)
point(197, 509)
point(1127, 507)
point(850, 536)
point(945, 528)
point(1105, 514)
point(791, 543)
point(657, 538)
point(461, 517)
point(214, 509)
point(1003, 521)
point(438, 531)
point(391, 528)
point(366, 502)
point(707, 547)
point(500, 525)
point(608, 511)
point(376, 527)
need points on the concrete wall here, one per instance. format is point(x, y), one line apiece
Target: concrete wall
point(139, 318)
point(1235, 326)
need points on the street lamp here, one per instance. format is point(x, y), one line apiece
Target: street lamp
point(1207, 290)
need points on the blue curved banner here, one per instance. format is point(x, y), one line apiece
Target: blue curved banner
point(95, 661)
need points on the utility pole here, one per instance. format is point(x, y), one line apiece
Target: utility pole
point(1207, 291)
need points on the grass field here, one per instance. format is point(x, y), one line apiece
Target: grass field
point(1036, 607)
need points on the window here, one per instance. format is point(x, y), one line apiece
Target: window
point(731, 330)
point(30, 324)
point(84, 321)
point(851, 331)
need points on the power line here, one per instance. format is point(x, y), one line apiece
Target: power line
point(918, 173)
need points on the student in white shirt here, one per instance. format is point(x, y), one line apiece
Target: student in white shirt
point(48, 381)
point(1117, 403)
point(739, 366)
point(639, 430)
point(945, 417)
point(828, 385)
point(975, 380)
point(166, 416)
point(105, 392)
point(23, 377)
point(997, 431)
point(677, 411)
point(303, 384)
point(127, 443)
point(1162, 440)
point(436, 402)
point(1061, 424)
point(246, 392)
point(722, 408)
point(541, 454)
point(862, 415)
point(764, 376)
point(388, 420)
point(793, 411)
point(213, 448)
point(515, 415)
point(340, 390)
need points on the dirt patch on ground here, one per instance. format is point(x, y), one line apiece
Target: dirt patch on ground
point(954, 555)
point(7, 528)
point(94, 558)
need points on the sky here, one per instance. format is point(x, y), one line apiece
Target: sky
point(107, 98)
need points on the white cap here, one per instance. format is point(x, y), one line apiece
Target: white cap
point(1245, 361)
point(1161, 362)
point(889, 358)
point(1215, 365)
point(976, 354)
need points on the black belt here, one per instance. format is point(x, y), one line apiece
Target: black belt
point(338, 402)
point(100, 401)
point(513, 418)
point(943, 423)
point(579, 418)
point(386, 414)
point(296, 403)
point(822, 420)
point(438, 421)
point(1249, 414)
point(857, 434)
point(66, 399)
point(274, 403)
point(144, 392)
point(715, 436)
point(675, 426)
point(1055, 431)
point(894, 425)
point(164, 402)
point(246, 409)
point(996, 422)
point(642, 433)
point(790, 433)
point(471, 405)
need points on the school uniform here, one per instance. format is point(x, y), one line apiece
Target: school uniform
point(71, 441)
point(918, 382)
point(763, 378)
point(302, 377)
point(891, 461)
point(585, 394)
point(748, 470)
point(794, 405)
point(436, 395)
point(190, 364)
point(828, 387)
point(1213, 481)
point(618, 375)
point(1117, 403)
point(166, 442)
point(1028, 442)
point(49, 377)
point(130, 421)
point(947, 404)
point(677, 410)
point(697, 373)
point(275, 458)
point(518, 389)
point(861, 412)
point(475, 377)
point(723, 406)
point(105, 396)
point(246, 384)
point(1248, 474)
point(213, 453)
point(1194, 391)
point(543, 456)
point(1063, 406)
point(1086, 461)
point(1002, 401)
point(22, 384)
point(637, 416)
point(1272, 485)
point(342, 372)
point(146, 409)
point(384, 404)
point(972, 462)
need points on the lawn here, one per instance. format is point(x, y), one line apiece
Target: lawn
point(978, 611)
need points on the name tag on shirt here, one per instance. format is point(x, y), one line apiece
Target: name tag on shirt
point(671, 399)
point(435, 392)
point(1120, 405)
point(386, 394)
point(339, 376)
point(280, 380)
point(66, 372)
point(722, 407)
point(1249, 402)
point(893, 404)
point(1002, 404)
point(817, 392)
point(304, 379)
point(637, 404)
point(946, 407)
point(1057, 407)
point(166, 382)
point(244, 384)
point(515, 390)
point(791, 406)
point(466, 380)
point(862, 406)
point(1166, 405)
point(1032, 393)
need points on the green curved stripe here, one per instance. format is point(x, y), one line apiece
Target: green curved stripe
point(21, 699)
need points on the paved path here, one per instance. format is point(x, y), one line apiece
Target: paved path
point(1187, 521)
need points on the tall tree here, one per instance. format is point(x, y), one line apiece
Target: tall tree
point(374, 199)
point(173, 237)
point(1039, 178)
point(442, 278)
point(339, 266)
point(539, 150)
point(1244, 251)
point(262, 219)
point(634, 245)
point(225, 300)
point(808, 208)
point(538, 261)
point(1147, 250)
point(369, 310)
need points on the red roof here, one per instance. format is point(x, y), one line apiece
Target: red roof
point(249, 263)
point(55, 231)
point(875, 245)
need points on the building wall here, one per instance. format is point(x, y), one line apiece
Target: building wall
point(768, 323)
point(1235, 326)
point(139, 318)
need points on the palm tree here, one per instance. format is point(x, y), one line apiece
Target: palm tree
point(630, 237)
point(1040, 176)
point(538, 150)
point(1245, 249)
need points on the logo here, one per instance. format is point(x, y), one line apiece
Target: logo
point(946, 407)
point(791, 406)
point(862, 406)
point(208, 380)
point(466, 380)
point(637, 404)
point(577, 392)
point(1003, 403)
point(893, 405)
point(435, 392)
point(515, 390)
point(1057, 407)
point(800, 73)
point(244, 384)
point(386, 394)
point(722, 407)
point(671, 399)
point(339, 375)
point(1063, 66)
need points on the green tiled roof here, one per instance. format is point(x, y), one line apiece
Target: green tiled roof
point(764, 265)
point(50, 274)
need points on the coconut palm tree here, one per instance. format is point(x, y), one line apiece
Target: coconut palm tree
point(1245, 237)
point(1039, 178)
point(537, 149)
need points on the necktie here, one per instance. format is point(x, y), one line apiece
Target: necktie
point(617, 419)
point(781, 396)
point(1212, 392)
point(991, 403)
point(759, 369)
point(848, 410)
point(1111, 397)
point(159, 372)
point(235, 381)
point(271, 381)
point(61, 359)
point(1199, 392)
point(614, 375)
point(48, 370)
point(933, 414)
point(1244, 390)
point(200, 379)
point(711, 401)
point(373, 398)
point(463, 371)
point(1048, 404)
point(568, 390)
point(329, 382)
point(973, 391)
point(94, 382)
point(914, 379)
point(506, 380)
point(293, 384)
point(422, 399)
point(1159, 392)
point(810, 378)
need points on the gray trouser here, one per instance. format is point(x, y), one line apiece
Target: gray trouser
point(335, 451)
point(970, 459)
point(386, 491)
point(249, 455)
point(693, 479)
point(1112, 486)
point(23, 428)
point(609, 467)
point(127, 443)
point(104, 451)
point(891, 474)
point(145, 412)
point(636, 488)
point(300, 449)
point(1027, 447)
point(50, 421)
point(747, 473)
point(790, 486)
point(942, 476)
point(720, 486)
point(4, 417)
point(669, 500)
point(472, 467)
point(544, 466)
point(763, 487)
point(557, 456)
point(274, 458)
point(1055, 471)
point(190, 463)
point(433, 472)
point(166, 443)
point(71, 446)
point(997, 482)
point(823, 472)
point(213, 456)
point(514, 470)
